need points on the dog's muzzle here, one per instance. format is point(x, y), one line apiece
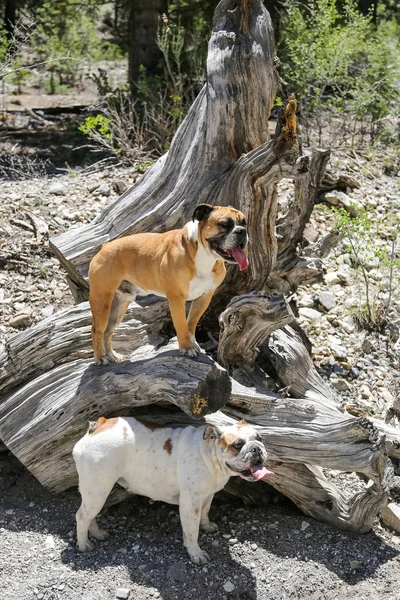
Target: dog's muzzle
point(231, 247)
point(250, 462)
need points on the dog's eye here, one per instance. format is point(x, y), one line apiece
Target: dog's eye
point(238, 445)
point(226, 223)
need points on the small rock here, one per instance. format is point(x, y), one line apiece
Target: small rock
point(122, 593)
point(332, 278)
point(93, 187)
point(347, 327)
point(305, 301)
point(390, 515)
point(229, 587)
point(102, 190)
point(327, 300)
point(340, 384)
point(119, 186)
point(367, 345)
point(47, 311)
point(254, 546)
point(23, 318)
point(58, 189)
point(59, 221)
point(49, 543)
point(304, 525)
point(310, 313)
point(233, 541)
point(365, 392)
point(355, 564)
point(344, 273)
point(396, 539)
point(337, 349)
point(336, 198)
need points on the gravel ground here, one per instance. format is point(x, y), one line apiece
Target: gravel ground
point(270, 552)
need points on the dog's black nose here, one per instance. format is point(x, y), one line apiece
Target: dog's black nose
point(240, 231)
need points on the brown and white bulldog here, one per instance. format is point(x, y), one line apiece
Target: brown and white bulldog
point(184, 465)
point(182, 264)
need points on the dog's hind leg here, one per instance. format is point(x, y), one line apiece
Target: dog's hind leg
point(197, 309)
point(94, 494)
point(100, 306)
point(122, 298)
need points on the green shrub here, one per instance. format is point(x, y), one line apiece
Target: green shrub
point(376, 293)
point(66, 37)
point(142, 129)
point(98, 124)
point(340, 66)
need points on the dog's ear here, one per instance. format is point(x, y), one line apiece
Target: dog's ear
point(202, 212)
point(211, 433)
point(241, 423)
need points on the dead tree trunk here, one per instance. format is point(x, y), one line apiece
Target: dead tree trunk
point(221, 154)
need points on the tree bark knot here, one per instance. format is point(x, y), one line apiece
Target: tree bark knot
point(246, 323)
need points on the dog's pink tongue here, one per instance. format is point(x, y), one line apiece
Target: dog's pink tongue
point(259, 471)
point(241, 258)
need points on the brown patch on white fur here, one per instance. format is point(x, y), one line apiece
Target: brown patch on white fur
point(241, 423)
point(168, 445)
point(102, 424)
point(227, 440)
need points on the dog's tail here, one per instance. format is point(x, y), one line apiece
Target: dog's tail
point(93, 425)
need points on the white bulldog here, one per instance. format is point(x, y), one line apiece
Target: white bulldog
point(184, 466)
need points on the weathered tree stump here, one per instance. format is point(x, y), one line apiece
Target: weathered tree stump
point(221, 154)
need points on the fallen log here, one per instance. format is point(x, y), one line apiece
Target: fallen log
point(42, 419)
point(65, 337)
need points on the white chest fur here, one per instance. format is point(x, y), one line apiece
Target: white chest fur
point(203, 281)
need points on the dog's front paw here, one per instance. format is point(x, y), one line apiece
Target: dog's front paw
point(209, 527)
point(114, 356)
point(86, 546)
point(198, 556)
point(188, 351)
point(195, 344)
point(102, 361)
